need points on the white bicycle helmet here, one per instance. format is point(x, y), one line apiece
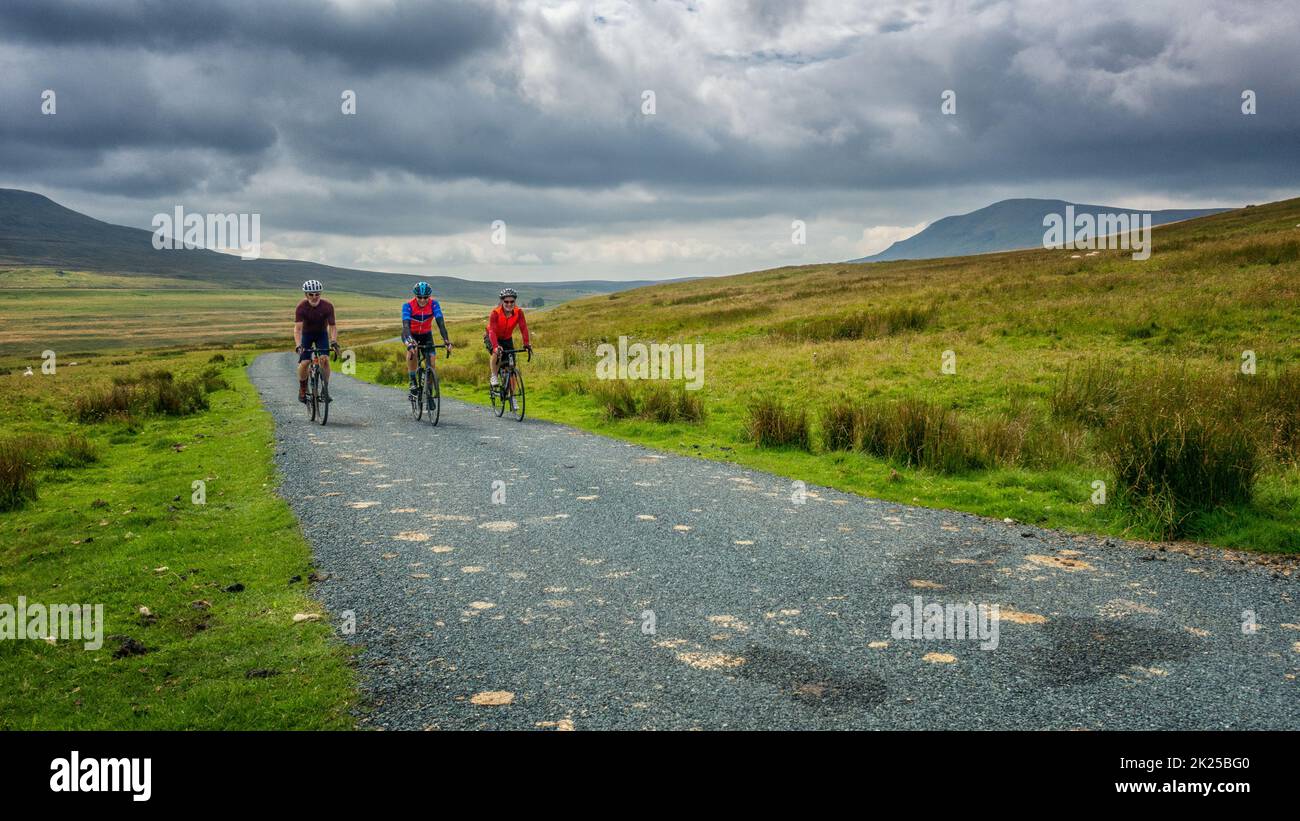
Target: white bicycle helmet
point(312, 286)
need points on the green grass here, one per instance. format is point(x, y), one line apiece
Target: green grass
point(874, 335)
point(122, 531)
point(133, 312)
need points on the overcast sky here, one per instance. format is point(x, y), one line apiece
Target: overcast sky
point(766, 111)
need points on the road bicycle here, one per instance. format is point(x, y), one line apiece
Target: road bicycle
point(509, 390)
point(318, 388)
point(426, 395)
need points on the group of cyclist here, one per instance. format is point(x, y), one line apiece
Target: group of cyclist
point(315, 333)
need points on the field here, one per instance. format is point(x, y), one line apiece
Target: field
point(199, 591)
point(78, 312)
point(1068, 368)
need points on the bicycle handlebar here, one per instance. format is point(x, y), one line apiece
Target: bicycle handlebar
point(332, 351)
point(426, 346)
point(513, 351)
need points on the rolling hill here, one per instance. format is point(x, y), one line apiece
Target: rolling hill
point(1008, 225)
point(35, 231)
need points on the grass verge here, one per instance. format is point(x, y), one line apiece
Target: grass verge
point(208, 590)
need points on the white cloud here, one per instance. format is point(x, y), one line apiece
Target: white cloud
point(879, 237)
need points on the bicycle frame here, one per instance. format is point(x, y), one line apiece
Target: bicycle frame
point(508, 377)
point(426, 383)
point(315, 407)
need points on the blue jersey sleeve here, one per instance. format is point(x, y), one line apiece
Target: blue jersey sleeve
point(437, 309)
point(406, 311)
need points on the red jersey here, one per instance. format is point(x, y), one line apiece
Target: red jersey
point(501, 326)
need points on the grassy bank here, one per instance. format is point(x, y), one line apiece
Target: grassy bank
point(1052, 361)
point(199, 599)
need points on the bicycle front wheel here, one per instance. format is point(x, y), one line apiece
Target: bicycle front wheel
point(313, 385)
point(517, 395)
point(499, 393)
point(434, 402)
point(324, 400)
point(417, 398)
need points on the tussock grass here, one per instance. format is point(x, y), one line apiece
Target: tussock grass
point(17, 474)
point(1089, 393)
point(924, 434)
point(919, 433)
point(148, 393)
point(772, 425)
point(571, 385)
point(615, 399)
point(1182, 442)
point(392, 373)
point(385, 352)
point(469, 368)
point(652, 401)
point(665, 403)
point(72, 450)
point(841, 425)
point(856, 325)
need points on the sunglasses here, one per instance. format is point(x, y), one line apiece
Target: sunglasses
point(508, 301)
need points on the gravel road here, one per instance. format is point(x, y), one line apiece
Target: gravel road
point(614, 587)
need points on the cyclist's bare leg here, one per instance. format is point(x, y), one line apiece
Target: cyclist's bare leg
point(412, 363)
point(492, 368)
point(324, 367)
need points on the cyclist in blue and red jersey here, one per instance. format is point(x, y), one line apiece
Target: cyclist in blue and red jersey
point(418, 316)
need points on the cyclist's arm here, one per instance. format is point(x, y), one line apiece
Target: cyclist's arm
point(333, 329)
point(523, 326)
point(492, 331)
point(406, 322)
point(442, 326)
point(298, 319)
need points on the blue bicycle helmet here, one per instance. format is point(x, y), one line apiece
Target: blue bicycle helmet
point(422, 289)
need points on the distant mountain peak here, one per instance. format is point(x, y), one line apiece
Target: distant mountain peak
point(1006, 225)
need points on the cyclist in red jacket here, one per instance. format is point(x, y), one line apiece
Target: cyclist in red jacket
point(500, 328)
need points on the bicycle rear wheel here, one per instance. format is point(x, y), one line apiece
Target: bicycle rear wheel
point(434, 402)
point(517, 395)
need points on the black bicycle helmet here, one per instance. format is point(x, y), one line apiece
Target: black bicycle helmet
point(505, 292)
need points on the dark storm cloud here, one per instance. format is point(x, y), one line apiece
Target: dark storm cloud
point(407, 33)
point(532, 112)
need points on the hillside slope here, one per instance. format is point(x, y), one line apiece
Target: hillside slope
point(35, 231)
point(1005, 226)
